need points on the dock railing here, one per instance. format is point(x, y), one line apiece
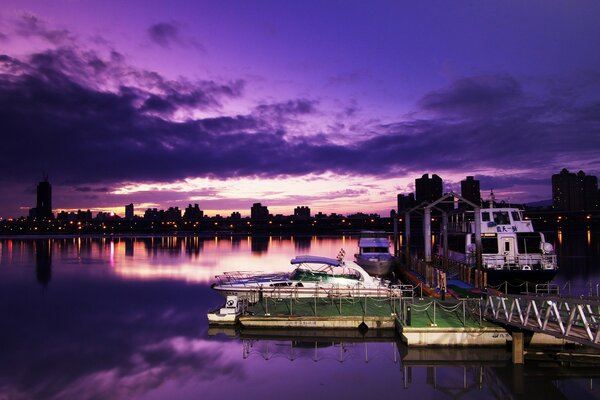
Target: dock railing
point(295, 302)
point(433, 312)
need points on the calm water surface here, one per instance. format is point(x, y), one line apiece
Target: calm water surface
point(122, 318)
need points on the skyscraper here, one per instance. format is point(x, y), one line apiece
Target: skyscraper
point(43, 209)
point(428, 189)
point(129, 211)
point(469, 189)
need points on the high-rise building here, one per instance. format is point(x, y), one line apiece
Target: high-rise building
point(428, 189)
point(129, 211)
point(258, 212)
point(406, 202)
point(469, 189)
point(574, 192)
point(302, 212)
point(43, 209)
point(193, 213)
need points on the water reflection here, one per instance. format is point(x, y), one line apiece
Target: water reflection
point(424, 372)
point(125, 317)
point(43, 261)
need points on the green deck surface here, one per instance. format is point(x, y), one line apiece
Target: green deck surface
point(325, 307)
point(445, 314)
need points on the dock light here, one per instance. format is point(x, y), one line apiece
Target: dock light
point(588, 217)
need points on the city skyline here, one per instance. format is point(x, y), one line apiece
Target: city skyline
point(427, 190)
point(338, 106)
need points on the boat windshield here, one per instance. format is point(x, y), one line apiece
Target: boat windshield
point(501, 217)
point(307, 275)
point(375, 250)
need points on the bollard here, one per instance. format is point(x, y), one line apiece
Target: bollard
point(408, 315)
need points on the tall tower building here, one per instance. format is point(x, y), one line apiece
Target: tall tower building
point(428, 189)
point(129, 211)
point(43, 209)
point(258, 212)
point(469, 189)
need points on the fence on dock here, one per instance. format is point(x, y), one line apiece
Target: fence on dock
point(571, 318)
point(433, 312)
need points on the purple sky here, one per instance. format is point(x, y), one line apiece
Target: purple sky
point(338, 105)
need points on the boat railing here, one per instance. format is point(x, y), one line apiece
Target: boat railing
point(249, 277)
point(521, 261)
point(282, 292)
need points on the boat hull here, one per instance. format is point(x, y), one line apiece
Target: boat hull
point(515, 281)
point(375, 267)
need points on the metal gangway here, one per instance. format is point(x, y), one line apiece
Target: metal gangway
point(575, 319)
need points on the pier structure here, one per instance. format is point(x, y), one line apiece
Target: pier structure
point(572, 319)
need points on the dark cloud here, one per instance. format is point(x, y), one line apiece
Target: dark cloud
point(29, 25)
point(167, 35)
point(290, 108)
point(473, 95)
point(87, 189)
point(164, 34)
point(3, 37)
point(94, 120)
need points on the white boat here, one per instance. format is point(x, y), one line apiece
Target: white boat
point(312, 276)
point(374, 253)
point(228, 313)
point(512, 251)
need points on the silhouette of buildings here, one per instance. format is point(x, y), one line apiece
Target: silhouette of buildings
point(129, 211)
point(406, 202)
point(43, 208)
point(302, 212)
point(193, 213)
point(574, 192)
point(428, 189)
point(469, 189)
point(258, 212)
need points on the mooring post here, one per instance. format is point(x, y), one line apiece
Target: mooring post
point(445, 237)
point(407, 237)
point(478, 261)
point(518, 356)
point(394, 217)
point(427, 234)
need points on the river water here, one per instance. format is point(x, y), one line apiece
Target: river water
point(125, 318)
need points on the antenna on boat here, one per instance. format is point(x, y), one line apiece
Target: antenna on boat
point(341, 255)
point(492, 198)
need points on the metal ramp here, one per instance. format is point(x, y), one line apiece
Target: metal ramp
point(573, 319)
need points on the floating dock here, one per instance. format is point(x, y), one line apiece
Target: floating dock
point(418, 322)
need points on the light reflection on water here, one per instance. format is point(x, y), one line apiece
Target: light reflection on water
point(126, 318)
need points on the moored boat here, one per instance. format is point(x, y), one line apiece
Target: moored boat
point(512, 253)
point(374, 253)
point(312, 276)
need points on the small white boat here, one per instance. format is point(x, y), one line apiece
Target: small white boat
point(374, 253)
point(312, 277)
point(228, 313)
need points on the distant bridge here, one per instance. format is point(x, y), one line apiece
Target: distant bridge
point(572, 319)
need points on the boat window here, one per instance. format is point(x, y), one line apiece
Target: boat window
point(489, 245)
point(507, 246)
point(528, 243)
point(485, 216)
point(501, 218)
